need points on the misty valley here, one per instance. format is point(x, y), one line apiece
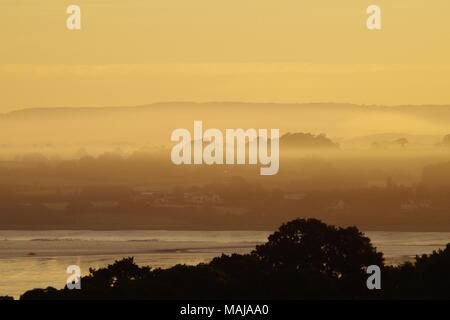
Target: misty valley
point(125, 178)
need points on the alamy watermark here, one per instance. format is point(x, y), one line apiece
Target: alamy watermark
point(74, 279)
point(373, 21)
point(236, 146)
point(73, 21)
point(374, 280)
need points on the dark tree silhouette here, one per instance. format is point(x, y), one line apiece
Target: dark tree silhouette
point(427, 278)
point(304, 259)
point(402, 142)
point(306, 140)
point(309, 244)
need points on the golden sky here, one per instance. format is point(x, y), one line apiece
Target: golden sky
point(141, 51)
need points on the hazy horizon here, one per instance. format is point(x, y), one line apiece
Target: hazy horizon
point(220, 51)
point(293, 103)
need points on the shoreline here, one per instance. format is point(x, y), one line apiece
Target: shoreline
point(203, 228)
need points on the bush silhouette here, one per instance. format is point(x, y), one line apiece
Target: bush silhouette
point(303, 259)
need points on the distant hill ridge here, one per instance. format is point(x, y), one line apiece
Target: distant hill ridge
point(61, 110)
point(153, 124)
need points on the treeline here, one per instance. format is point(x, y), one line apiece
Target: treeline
point(305, 170)
point(303, 259)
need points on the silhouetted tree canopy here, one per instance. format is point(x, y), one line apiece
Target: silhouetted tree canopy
point(311, 244)
point(306, 140)
point(401, 142)
point(303, 259)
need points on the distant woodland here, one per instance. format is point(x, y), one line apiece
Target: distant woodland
point(110, 168)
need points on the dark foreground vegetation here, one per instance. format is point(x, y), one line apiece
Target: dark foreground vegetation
point(304, 259)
